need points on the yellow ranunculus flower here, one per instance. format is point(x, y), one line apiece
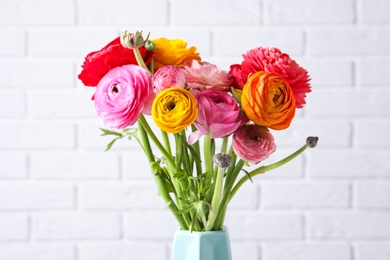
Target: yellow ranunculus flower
point(173, 52)
point(174, 109)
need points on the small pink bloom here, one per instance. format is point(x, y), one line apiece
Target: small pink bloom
point(204, 75)
point(122, 94)
point(167, 77)
point(219, 114)
point(273, 60)
point(253, 143)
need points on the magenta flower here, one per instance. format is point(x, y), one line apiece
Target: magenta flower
point(167, 77)
point(273, 60)
point(122, 95)
point(204, 75)
point(219, 114)
point(253, 143)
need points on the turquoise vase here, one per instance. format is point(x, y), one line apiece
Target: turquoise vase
point(209, 245)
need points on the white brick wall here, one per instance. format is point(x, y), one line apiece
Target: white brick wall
point(63, 198)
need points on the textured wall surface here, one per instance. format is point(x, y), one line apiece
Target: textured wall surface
point(63, 198)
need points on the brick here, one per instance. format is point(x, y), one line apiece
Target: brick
point(237, 42)
point(37, 252)
point(73, 43)
point(36, 135)
point(108, 13)
point(372, 250)
point(23, 12)
point(372, 194)
point(14, 106)
point(123, 251)
point(285, 12)
point(374, 11)
point(305, 195)
point(74, 226)
point(135, 165)
point(13, 166)
point(217, 13)
point(143, 225)
point(349, 41)
point(325, 73)
point(36, 74)
point(344, 102)
point(37, 196)
point(330, 136)
point(337, 164)
point(245, 250)
point(73, 165)
point(13, 227)
point(372, 133)
point(373, 72)
point(246, 198)
point(283, 251)
point(357, 225)
point(13, 43)
point(81, 106)
point(137, 195)
point(264, 226)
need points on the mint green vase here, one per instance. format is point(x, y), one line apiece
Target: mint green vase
point(210, 245)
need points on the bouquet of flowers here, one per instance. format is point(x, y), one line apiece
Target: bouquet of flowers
point(213, 123)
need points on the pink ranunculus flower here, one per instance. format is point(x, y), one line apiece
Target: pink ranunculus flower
point(253, 143)
point(273, 60)
point(167, 77)
point(219, 114)
point(122, 95)
point(204, 75)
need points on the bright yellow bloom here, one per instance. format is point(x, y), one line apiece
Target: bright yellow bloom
point(173, 52)
point(174, 109)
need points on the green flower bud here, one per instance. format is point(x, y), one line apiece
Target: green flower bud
point(131, 40)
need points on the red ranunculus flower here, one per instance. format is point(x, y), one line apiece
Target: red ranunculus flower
point(273, 60)
point(98, 63)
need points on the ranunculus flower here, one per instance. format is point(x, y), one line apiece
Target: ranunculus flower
point(268, 100)
point(174, 109)
point(273, 60)
point(253, 143)
point(219, 114)
point(173, 52)
point(122, 94)
point(204, 75)
point(167, 77)
point(98, 63)
point(239, 79)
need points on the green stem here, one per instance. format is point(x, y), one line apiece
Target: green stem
point(140, 60)
point(155, 140)
point(157, 177)
point(208, 160)
point(263, 169)
point(167, 144)
point(231, 177)
point(216, 199)
point(196, 148)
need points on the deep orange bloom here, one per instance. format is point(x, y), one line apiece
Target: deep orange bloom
point(173, 52)
point(268, 100)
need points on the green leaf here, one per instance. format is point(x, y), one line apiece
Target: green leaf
point(110, 132)
point(237, 93)
point(110, 144)
point(247, 174)
point(194, 154)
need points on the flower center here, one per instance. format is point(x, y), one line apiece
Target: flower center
point(115, 89)
point(171, 105)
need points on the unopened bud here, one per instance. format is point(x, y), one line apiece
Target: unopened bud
point(150, 46)
point(131, 40)
point(223, 160)
point(312, 141)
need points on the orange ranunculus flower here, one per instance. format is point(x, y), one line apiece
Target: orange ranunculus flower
point(268, 100)
point(174, 109)
point(173, 52)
